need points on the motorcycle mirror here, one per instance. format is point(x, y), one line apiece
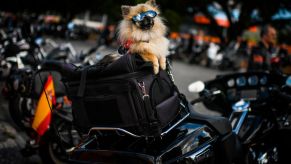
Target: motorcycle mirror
point(288, 81)
point(196, 87)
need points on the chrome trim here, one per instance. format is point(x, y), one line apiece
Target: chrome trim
point(85, 144)
point(172, 127)
point(171, 147)
point(113, 129)
point(240, 122)
point(177, 143)
point(132, 134)
point(263, 159)
point(195, 156)
point(182, 105)
point(135, 135)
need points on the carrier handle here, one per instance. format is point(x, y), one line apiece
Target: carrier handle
point(112, 129)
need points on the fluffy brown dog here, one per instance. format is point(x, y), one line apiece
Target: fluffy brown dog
point(144, 29)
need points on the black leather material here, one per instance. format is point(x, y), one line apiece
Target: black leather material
point(120, 66)
point(124, 94)
point(220, 124)
point(38, 83)
point(66, 69)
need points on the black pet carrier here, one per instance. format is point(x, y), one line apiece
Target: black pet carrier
point(125, 95)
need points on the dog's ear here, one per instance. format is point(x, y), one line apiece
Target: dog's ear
point(125, 10)
point(152, 3)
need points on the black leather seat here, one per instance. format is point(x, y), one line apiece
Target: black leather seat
point(220, 124)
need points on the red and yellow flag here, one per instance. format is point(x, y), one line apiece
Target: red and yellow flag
point(42, 116)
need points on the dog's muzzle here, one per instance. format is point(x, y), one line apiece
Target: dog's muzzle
point(147, 23)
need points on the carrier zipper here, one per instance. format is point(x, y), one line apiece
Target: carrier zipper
point(143, 89)
point(147, 105)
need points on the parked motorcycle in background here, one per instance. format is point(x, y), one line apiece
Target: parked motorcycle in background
point(24, 77)
point(214, 56)
point(234, 56)
point(198, 54)
point(257, 105)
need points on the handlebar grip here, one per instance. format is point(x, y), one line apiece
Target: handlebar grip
point(206, 95)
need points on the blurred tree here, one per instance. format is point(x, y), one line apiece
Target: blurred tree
point(173, 19)
point(265, 10)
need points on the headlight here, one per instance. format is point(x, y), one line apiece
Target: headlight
point(38, 41)
point(70, 25)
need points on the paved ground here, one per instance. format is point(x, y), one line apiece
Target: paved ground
point(184, 74)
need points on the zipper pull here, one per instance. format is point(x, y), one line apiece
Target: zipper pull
point(143, 89)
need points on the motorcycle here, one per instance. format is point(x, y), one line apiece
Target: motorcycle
point(213, 56)
point(257, 105)
point(191, 138)
point(23, 90)
point(233, 56)
point(199, 53)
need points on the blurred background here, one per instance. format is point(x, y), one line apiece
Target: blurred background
point(217, 24)
point(207, 38)
point(227, 19)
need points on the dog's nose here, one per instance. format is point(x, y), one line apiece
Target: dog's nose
point(147, 20)
point(147, 23)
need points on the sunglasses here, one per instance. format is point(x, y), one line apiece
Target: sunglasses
point(139, 17)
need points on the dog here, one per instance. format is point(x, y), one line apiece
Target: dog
point(142, 30)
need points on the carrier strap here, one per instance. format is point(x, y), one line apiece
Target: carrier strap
point(82, 86)
point(181, 95)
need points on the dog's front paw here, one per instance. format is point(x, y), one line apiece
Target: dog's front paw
point(163, 64)
point(156, 69)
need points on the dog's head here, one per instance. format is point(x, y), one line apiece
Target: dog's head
point(141, 22)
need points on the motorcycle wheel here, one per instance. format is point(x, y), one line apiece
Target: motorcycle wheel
point(20, 109)
point(50, 151)
point(53, 145)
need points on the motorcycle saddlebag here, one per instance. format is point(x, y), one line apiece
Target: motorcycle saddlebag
point(125, 94)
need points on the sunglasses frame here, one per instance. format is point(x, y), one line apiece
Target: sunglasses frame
point(142, 15)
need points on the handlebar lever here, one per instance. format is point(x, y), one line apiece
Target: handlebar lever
point(207, 95)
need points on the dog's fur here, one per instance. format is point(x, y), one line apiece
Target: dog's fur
point(150, 44)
